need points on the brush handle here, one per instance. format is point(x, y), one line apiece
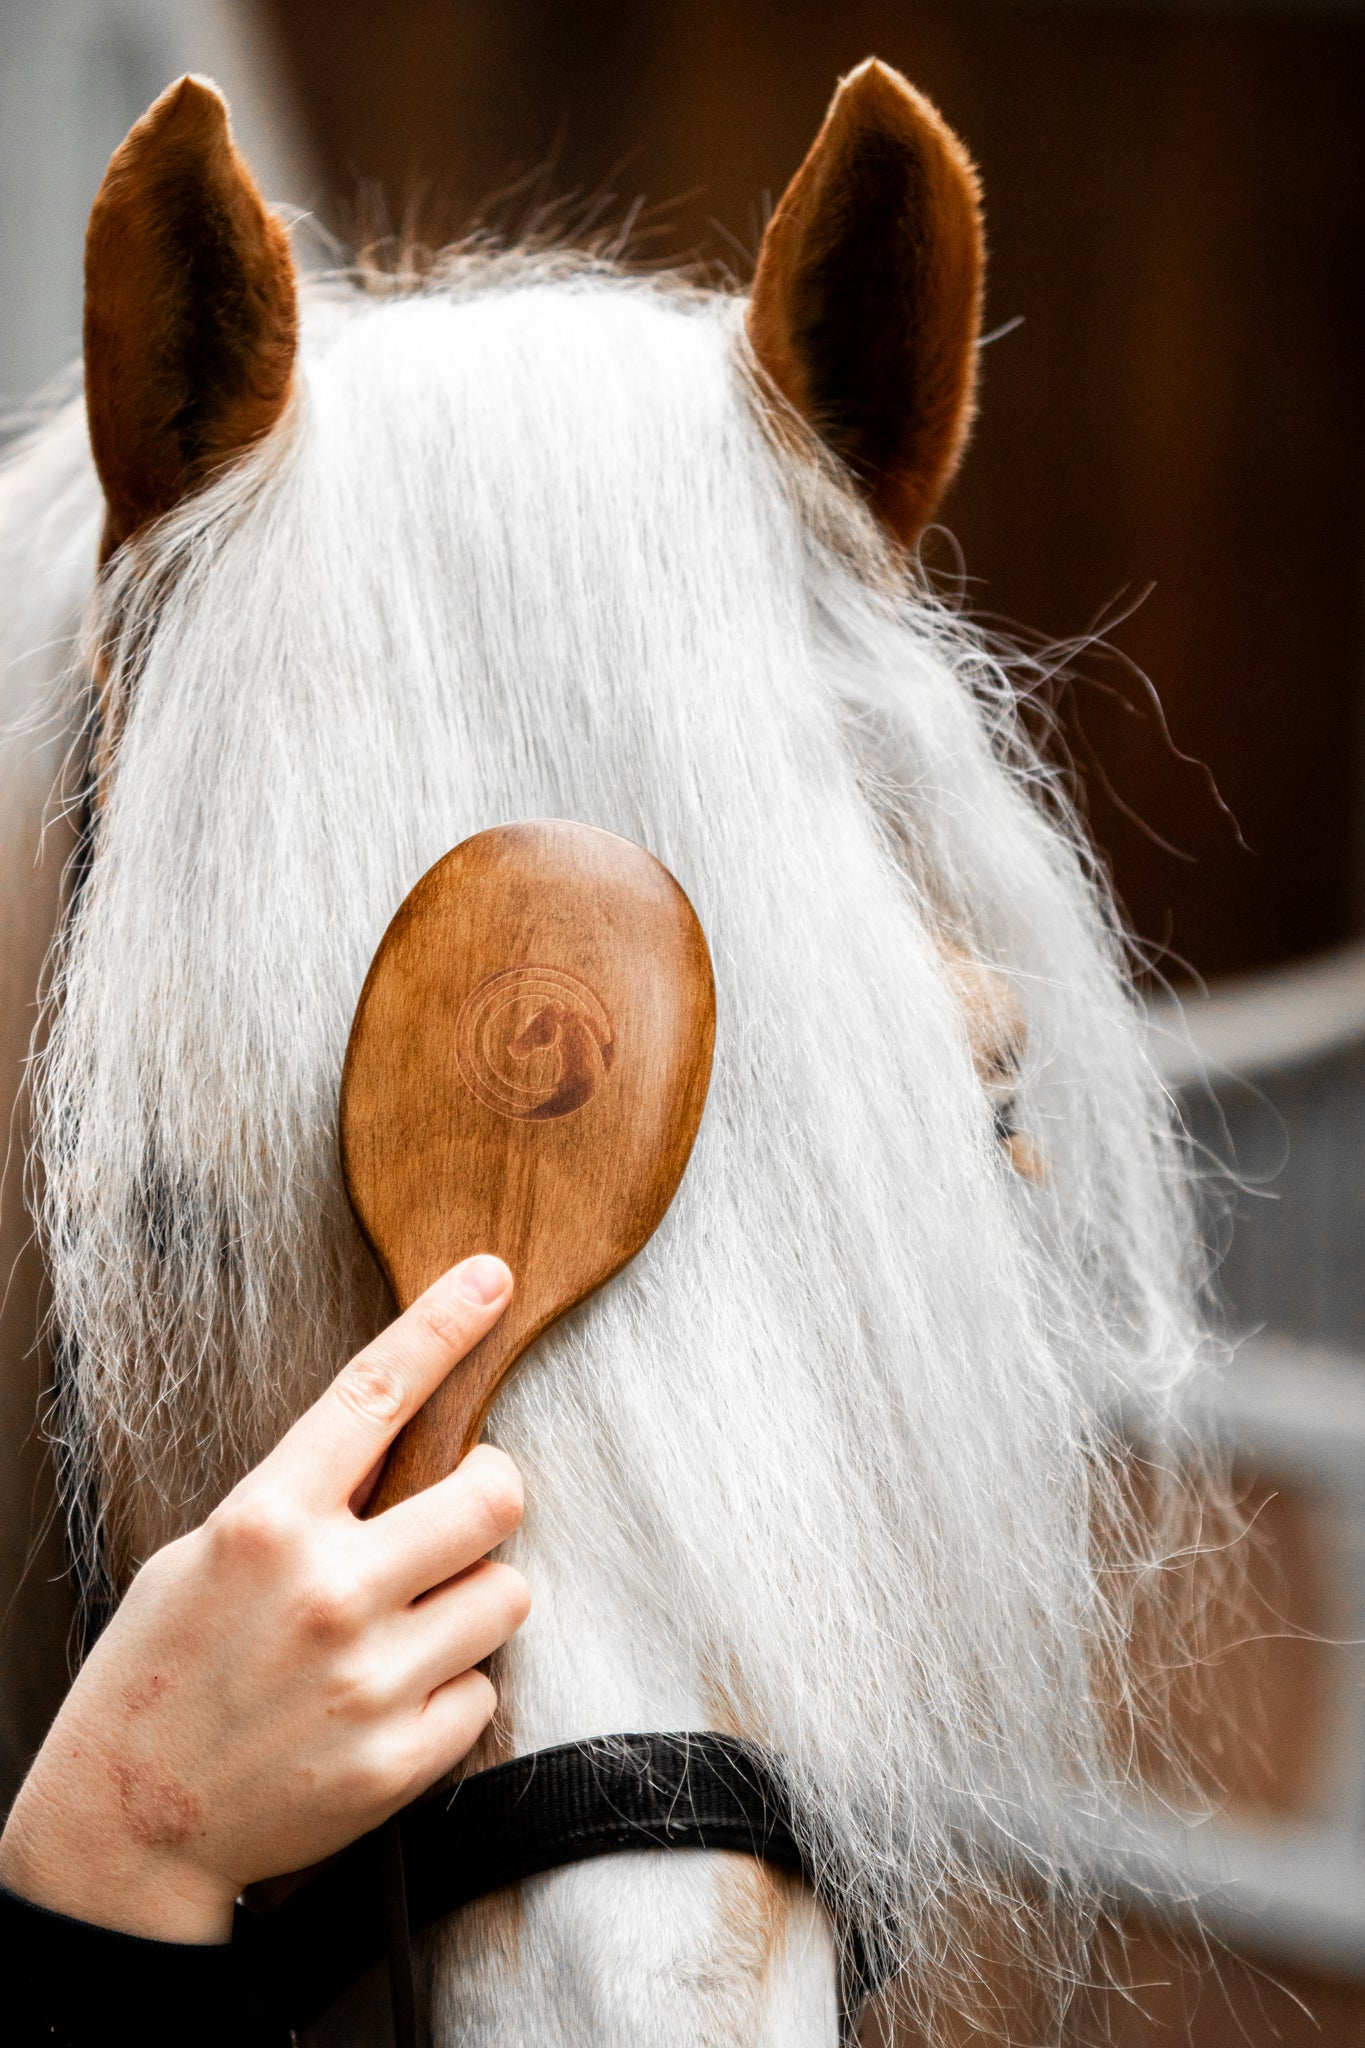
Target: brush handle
point(451, 1420)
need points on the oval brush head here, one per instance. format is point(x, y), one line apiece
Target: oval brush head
point(525, 1075)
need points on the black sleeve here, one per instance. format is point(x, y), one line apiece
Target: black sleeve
point(68, 1984)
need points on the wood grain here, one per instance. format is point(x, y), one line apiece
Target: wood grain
point(525, 1075)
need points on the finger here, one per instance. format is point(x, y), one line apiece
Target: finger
point(452, 1721)
point(435, 1736)
point(459, 1625)
point(330, 1450)
point(423, 1541)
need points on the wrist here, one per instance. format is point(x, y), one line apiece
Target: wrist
point(81, 1859)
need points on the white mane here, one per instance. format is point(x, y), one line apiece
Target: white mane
point(824, 1465)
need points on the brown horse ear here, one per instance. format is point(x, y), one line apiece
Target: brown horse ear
point(867, 300)
point(190, 310)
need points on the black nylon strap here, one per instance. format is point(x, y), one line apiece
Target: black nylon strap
point(537, 1813)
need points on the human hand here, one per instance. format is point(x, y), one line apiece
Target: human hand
point(282, 1679)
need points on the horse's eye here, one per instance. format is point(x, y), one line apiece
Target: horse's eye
point(997, 1032)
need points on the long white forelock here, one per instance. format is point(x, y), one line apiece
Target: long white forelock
point(835, 1437)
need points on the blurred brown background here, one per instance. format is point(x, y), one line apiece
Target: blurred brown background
point(1176, 203)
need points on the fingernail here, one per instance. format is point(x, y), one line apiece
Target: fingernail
point(482, 1279)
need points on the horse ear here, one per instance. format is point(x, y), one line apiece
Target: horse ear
point(190, 310)
point(866, 304)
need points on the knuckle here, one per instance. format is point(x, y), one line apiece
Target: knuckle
point(361, 1690)
point(257, 1524)
point(373, 1388)
point(440, 1317)
point(480, 1698)
point(329, 1608)
point(516, 1596)
point(493, 1600)
point(497, 1489)
point(468, 1706)
point(505, 1593)
point(471, 1701)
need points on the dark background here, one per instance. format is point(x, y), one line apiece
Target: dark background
point(1172, 441)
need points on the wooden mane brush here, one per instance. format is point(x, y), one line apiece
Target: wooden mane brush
point(525, 1075)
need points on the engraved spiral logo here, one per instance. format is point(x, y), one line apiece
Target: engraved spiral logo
point(533, 1043)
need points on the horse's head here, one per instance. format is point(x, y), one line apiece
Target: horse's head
point(537, 537)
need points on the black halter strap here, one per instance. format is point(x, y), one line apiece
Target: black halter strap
point(537, 1813)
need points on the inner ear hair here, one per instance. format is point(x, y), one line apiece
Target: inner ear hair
point(866, 305)
point(190, 310)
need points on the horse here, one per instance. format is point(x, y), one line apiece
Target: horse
point(324, 573)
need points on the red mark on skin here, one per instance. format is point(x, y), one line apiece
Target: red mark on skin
point(147, 1692)
point(157, 1810)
